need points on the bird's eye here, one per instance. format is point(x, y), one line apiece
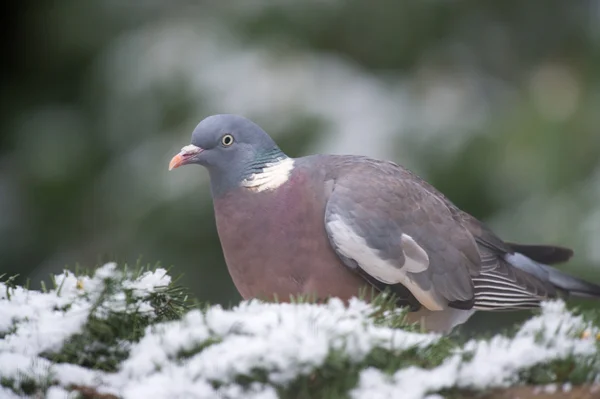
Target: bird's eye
point(227, 140)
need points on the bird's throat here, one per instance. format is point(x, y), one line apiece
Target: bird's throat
point(268, 174)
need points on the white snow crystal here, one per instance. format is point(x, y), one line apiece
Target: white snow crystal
point(149, 282)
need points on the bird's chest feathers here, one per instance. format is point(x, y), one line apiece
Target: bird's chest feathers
point(260, 219)
point(260, 229)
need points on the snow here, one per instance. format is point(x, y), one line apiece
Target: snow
point(14, 364)
point(204, 354)
point(6, 393)
point(494, 363)
point(540, 339)
point(57, 393)
point(34, 322)
point(304, 335)
point(149, 282)
point(37, 318)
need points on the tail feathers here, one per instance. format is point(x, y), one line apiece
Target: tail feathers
point(568, 284)
point(573, 285)
point(545, 254)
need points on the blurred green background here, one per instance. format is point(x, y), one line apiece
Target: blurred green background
point(497, 103)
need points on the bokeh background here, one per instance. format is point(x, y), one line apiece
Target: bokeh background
point(497, 103)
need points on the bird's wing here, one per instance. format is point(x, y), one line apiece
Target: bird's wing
point(502, 286)
point(503, 283)
point(384, 221)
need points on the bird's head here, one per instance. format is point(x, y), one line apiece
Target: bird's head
point(231, 147)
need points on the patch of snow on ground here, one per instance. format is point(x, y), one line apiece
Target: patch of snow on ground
point(493, 363)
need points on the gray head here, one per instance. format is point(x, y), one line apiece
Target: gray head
point(231, 147)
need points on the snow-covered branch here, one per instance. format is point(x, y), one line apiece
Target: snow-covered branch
point(130, 334)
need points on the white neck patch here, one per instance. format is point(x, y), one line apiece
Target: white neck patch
point(271, 177)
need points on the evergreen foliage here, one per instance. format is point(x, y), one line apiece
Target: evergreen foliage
point(140, 328)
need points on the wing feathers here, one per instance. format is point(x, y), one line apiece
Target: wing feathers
point(508, 288)
point(411, 228)
point(400, 230)
point(500, 306)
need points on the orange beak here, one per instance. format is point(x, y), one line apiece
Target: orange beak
point(185, 156)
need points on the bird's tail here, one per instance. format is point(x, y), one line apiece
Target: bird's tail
point(570, 285)
point(573, 285)
point(545, 254)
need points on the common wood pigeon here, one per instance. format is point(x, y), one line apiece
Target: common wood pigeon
point(329, 225)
